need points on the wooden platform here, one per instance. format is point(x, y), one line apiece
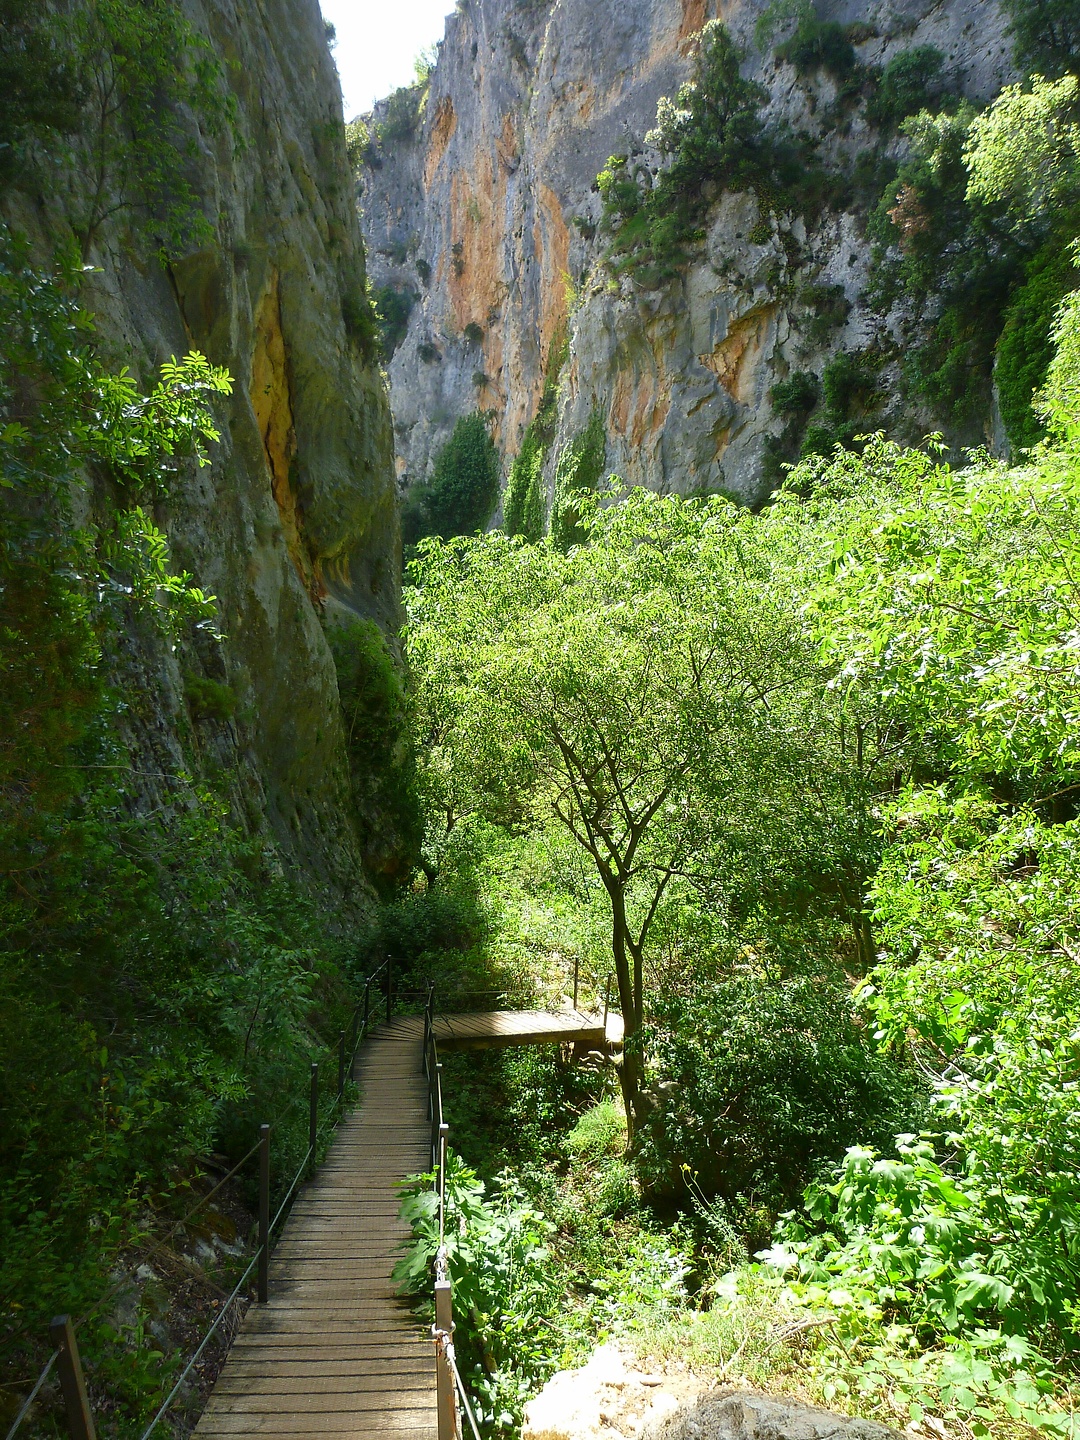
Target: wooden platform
point(337, 1352)
point(494, 1029)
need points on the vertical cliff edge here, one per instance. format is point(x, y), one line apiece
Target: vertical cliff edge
point(297, 510)
point(481, 210)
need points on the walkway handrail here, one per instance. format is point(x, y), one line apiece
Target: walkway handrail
point(450, 1388)
point(80, 1420)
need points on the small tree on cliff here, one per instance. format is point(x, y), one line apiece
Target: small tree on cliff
point(464, 485)
point(627, 690)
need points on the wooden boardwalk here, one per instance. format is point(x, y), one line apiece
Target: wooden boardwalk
point(496, 1028)
point(336, 1352)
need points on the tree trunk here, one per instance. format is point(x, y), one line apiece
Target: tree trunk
point(630, 1072)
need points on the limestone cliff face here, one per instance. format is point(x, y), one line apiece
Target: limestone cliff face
point(488, 214)
point(298, 507)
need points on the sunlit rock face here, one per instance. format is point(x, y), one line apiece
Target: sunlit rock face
point(487, 214)
point(298, 508)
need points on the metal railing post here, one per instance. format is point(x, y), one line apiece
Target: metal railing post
point(313, 1109)
point(444, 1131)
point(389, 987)
point(352, 1030)
point(607, 1002)
point(577, 963)
point(367, 1004)
point(341, 1065)
point(72, 1383)
point(264, 1214)
point(436, 1114)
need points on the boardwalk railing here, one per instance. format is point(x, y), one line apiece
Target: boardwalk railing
point(450, 1388)
point(65, 1356)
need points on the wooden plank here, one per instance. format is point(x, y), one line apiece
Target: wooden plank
point(313, 1402)
point(345, 1379)
point(365, 1424)
point(499, 1028)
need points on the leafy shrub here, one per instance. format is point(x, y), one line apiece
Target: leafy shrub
point(578, 472)
point(831, 308)
point(393, 306)
point(521, 1314)
point(1046, 34)
point(796, 395)
point(713, 134)
point(512, 1321)
point(600, 1131)
point(948, 1251)
point(401, 116)
point(423, 269)
point(910, 82)
point(435, 935)
point(850, 396)
point(524, 500)
point(209, 699)
point(361, 322)
point(428, 352)
point(787, 1066)
point(956, 262)
point(819, 45)
point(474, 333)
point(1025, 348)
point(795, 399)
point(357, 144)
point(464, 485)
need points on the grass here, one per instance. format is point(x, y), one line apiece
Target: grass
point(762, 1333)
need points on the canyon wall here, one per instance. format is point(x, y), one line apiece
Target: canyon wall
point(297, 510)
point(487, 213)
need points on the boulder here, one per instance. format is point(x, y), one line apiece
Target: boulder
point(608, 1397)
point(745, 1415)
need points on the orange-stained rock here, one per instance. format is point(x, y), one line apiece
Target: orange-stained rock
point(501, 201)
point(442, 129)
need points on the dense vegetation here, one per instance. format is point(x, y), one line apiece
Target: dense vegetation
point(805, 782)
point(800, 784)
point(463, 489)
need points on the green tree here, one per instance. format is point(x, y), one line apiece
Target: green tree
point(713, 133)
point(105, 88)
point(639, 691)
point(464, 485)
point(1046, 34)
point(1024, 151)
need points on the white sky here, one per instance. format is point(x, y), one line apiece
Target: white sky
point(377, 41)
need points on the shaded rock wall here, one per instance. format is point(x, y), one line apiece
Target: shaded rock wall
point(298, 508)
point(496, 194)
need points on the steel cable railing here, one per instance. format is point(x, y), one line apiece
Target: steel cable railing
point(33, 1393)
point(80, 1421)
point(450, 1387)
